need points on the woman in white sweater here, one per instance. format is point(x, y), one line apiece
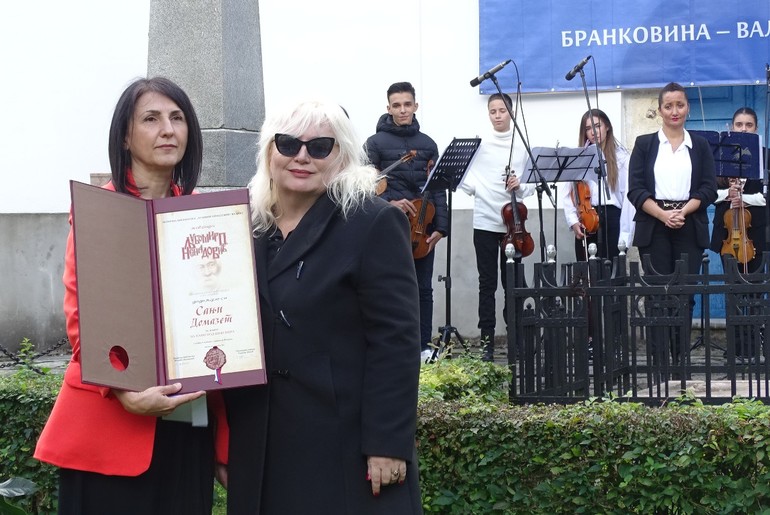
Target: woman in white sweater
point(486, 181)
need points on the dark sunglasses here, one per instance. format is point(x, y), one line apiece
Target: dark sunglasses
point(317, 148)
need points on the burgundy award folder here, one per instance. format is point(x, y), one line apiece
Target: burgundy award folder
point(167, 290)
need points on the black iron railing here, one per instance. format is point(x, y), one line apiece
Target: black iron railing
point(601, 328)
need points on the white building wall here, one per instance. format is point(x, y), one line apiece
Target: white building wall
point(65, 63)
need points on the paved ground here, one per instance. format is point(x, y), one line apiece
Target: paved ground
point(720, 383)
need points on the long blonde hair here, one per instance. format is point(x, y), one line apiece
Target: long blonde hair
point(609, 146)
point(351, 180)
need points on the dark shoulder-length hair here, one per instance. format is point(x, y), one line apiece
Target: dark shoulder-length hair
point(187, 171)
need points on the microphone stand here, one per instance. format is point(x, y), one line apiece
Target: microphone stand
point(764, 154)
point(601, 174)
point(542, 186)
point(555, 217)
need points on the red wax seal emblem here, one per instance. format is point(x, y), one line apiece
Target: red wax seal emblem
point(215, 359)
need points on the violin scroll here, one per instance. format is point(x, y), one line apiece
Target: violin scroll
point(382, 178)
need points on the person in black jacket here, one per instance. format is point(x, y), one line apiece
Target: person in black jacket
point(333, 430)
point(671, 182)
point(398, 133)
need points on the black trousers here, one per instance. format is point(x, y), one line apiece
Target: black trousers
point(489, 259)
point(610, 228)
point(423, 267)
point(667, 245)
point(665, 248)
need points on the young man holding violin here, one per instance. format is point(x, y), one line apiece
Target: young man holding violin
point(398, 141)
point(490, 181)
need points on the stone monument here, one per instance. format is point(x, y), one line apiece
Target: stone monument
point(212, 50)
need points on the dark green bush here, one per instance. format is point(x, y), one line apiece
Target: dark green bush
point(598, 457)
point(26, 399)
point(464, 378)
point(480, 455)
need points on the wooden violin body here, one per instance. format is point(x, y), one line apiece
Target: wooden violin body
point(514, 214)
point(737, 220)
point(587, 215)
point(419, 223)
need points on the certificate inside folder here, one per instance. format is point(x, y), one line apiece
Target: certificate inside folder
point(167, 290)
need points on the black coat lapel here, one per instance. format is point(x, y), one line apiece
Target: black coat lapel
point(652, 154)
point(304, 237)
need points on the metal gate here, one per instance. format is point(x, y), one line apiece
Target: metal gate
point(601, 328)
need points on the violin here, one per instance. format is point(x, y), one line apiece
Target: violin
point(581, 196)
point(737, 220)
point(514, 214)
point(419, 222)
point(382, 180)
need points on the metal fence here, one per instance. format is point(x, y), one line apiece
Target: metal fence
point(27, 357)
point(601, 328)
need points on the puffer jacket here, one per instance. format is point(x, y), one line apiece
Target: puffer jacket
point(388, 145)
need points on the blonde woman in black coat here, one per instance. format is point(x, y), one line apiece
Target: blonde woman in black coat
point(333, 431)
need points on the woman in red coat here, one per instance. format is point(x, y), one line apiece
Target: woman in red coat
point(114, 452)
point(333, 431)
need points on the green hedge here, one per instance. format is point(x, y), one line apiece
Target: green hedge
point(26, 399)
point(603, 456)
point(480, 455)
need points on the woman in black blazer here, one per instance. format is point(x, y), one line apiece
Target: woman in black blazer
point(672, 180)
point(333, 431)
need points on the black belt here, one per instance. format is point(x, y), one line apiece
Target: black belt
point(669, 205)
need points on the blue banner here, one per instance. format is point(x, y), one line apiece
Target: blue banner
point(632, 44)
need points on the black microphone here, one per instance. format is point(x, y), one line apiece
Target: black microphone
point(481, 78)
point(767, 71)
point(579, 66)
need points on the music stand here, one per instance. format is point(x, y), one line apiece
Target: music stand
point(736, 154)
point(447, 175)
point(560, 164)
